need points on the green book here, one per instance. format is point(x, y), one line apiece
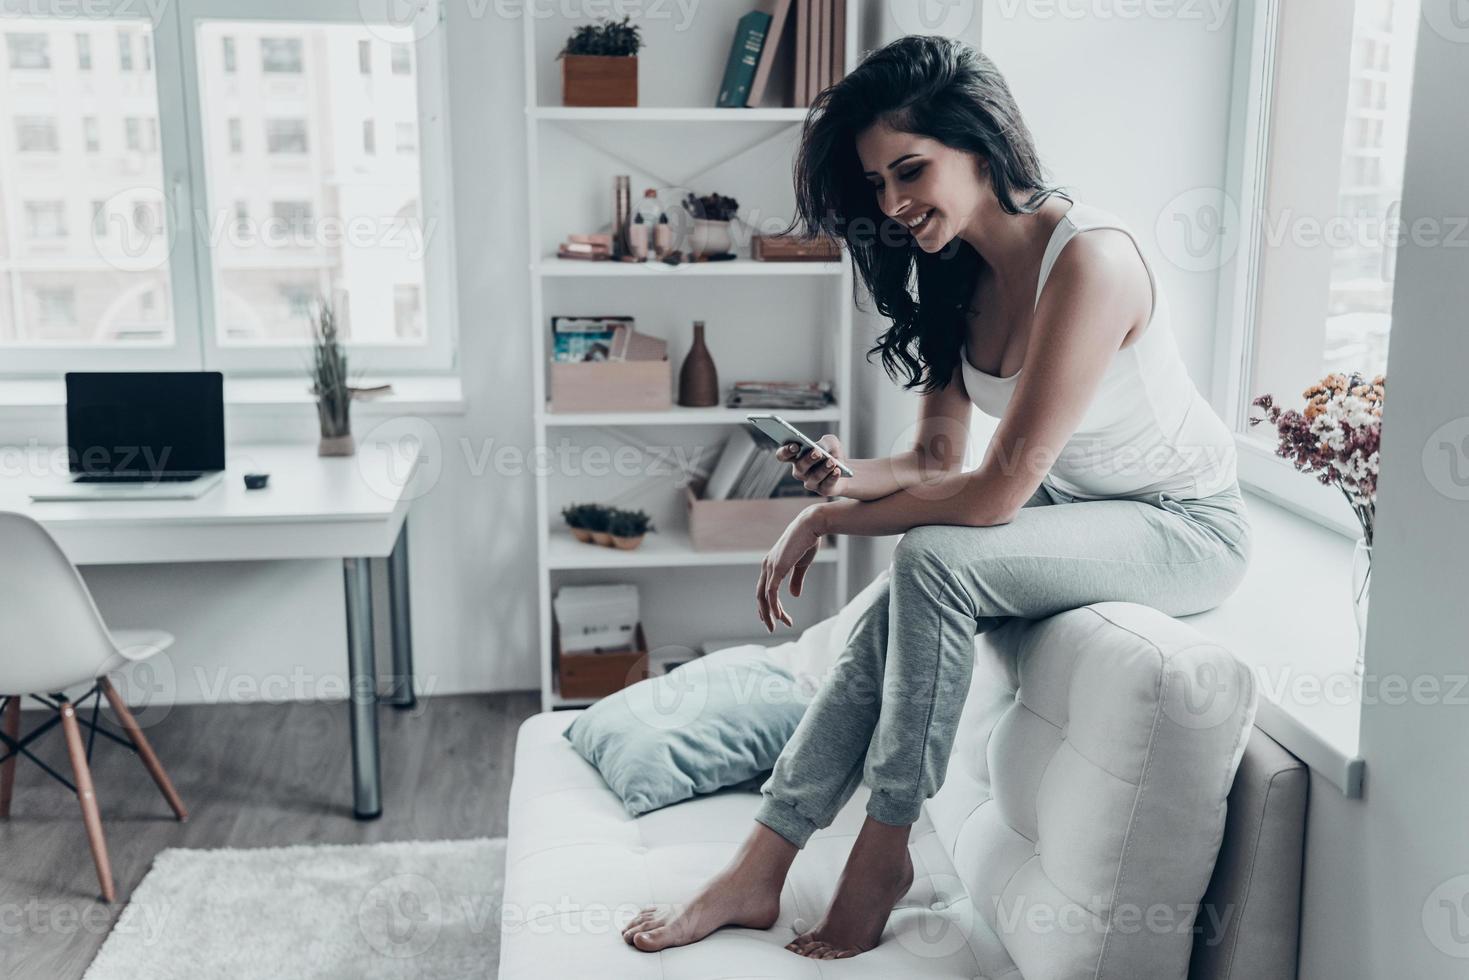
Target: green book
point(744, 57)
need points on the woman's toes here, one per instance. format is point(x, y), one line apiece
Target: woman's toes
point(639, 923)
point(652, 940)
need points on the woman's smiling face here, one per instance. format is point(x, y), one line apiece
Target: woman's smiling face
point(927, 186)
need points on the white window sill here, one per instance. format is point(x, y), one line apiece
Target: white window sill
point(1291, 621)
point(416, 395)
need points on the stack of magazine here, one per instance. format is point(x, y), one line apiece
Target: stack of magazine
point(603, 338)
point(747, 469)
point(779, 394)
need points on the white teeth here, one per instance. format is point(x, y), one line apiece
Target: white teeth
point(920, 219)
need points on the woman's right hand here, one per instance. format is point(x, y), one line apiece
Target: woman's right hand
point(815, 469)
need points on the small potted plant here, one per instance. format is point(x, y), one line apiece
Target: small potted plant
point(595, 519)
point(330, 385)
point(599, 64)
point(627, 528)
point(711, 214)
point(576, 519)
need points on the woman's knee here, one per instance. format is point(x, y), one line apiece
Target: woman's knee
point(921, 549)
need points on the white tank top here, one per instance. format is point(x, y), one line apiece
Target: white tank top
point(1148, 429)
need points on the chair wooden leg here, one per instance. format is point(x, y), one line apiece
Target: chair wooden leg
point(91, 815)
point(11, 723)
point(145, 751)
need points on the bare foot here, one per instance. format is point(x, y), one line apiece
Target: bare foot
point(746, 893)
point(879, 872)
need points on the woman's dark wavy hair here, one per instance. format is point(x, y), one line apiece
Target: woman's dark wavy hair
point(947, 91)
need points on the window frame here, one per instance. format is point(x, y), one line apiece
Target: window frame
point(438, 352)
point(175, 73)
point(1246, 171)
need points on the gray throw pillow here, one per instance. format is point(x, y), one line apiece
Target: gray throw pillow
point(715, 722)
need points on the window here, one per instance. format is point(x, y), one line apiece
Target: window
point(407, 316)
point(294, 218)
point(1312, 280)
point(28, 51)
point(407, 135)
point(402, 59)
point(89, 255)
point(281, 55)
point(46, 219)
point(37, 134)
point(72, 264)
point(285, 136)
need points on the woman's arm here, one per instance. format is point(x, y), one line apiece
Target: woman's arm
point(1097, 292)
point(942, 432)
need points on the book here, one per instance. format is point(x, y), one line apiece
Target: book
point(803, 50)
point(739, 449)
point(777, 31)
point(744, 56)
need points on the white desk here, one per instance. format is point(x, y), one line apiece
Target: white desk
point(352, 508)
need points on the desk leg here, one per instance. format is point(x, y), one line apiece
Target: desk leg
point(403, 695)
point(367, 803)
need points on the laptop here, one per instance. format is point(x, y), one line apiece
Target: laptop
point(142, 435)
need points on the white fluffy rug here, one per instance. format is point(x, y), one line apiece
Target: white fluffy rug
point(414, 909)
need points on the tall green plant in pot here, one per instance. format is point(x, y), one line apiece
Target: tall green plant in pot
point(330, 385)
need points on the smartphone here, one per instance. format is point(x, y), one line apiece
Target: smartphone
point(780, 432)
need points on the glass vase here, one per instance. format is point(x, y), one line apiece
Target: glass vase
point(1361, 586)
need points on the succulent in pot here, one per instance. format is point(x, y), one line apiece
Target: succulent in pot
point(595, 519)
point(599, 64)
point(576, 516)
point(627, 528)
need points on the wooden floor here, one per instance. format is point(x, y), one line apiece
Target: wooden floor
point(251, 776)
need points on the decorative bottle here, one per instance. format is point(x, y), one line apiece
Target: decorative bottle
point(698, 381)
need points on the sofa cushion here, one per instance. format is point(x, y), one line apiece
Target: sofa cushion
point(714, 722)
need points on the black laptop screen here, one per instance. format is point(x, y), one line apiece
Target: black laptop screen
point(145, 422)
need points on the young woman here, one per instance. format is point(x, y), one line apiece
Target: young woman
point(1108, 478)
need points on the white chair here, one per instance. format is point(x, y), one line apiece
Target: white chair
point(52, 638)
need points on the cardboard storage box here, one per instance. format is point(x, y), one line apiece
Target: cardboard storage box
point(596, 675)
point(743, 524)
point(611, 386)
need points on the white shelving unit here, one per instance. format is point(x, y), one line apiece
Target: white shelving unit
point(766, 320)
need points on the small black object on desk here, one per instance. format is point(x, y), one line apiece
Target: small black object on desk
point(256, 481)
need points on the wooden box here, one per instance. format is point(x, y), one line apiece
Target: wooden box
point(743, 525)
point(611, 386)
point(596, 675)
point(599, 80)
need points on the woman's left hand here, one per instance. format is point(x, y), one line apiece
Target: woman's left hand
point(791, 555)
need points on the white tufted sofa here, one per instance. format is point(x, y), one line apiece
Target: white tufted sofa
point(1074, 836)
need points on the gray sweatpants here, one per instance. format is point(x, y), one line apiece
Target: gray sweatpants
point(887, 712)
